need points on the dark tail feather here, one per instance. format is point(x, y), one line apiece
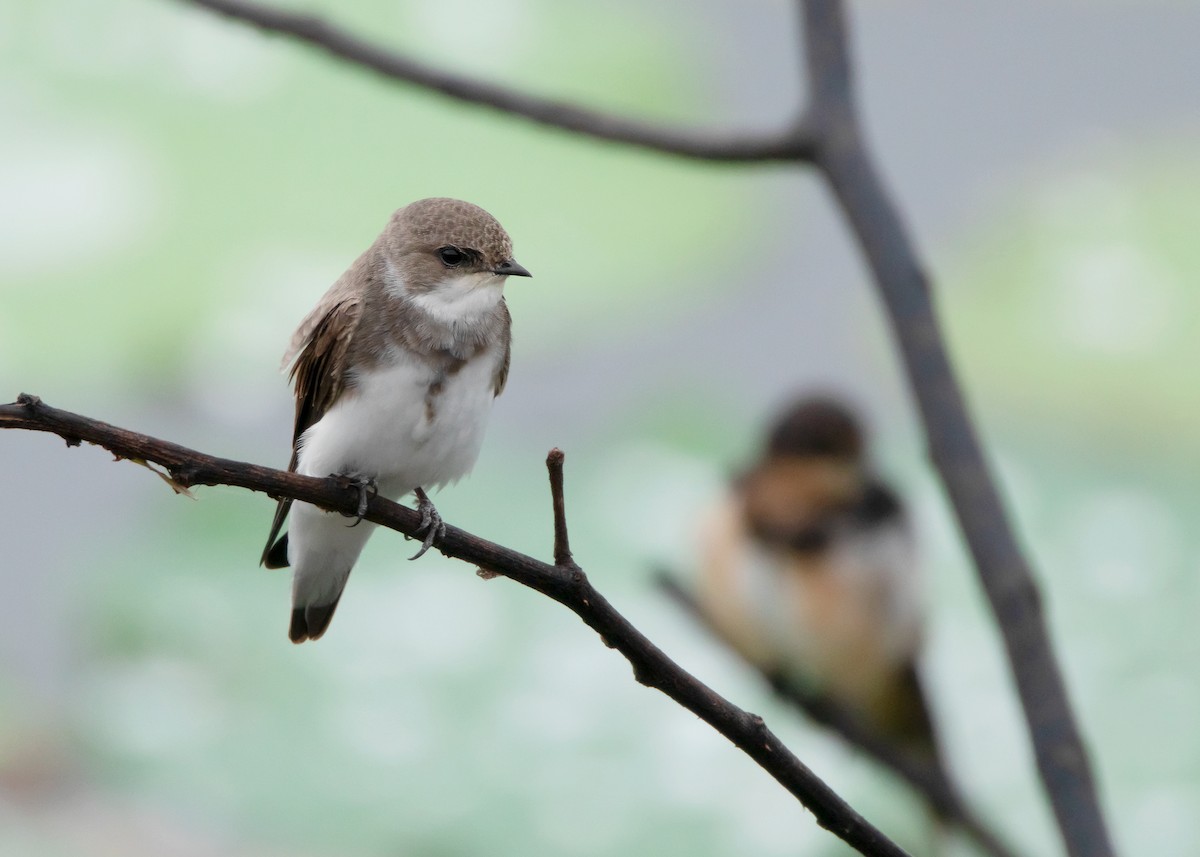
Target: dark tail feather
point(309, 623)
point(272, 552)
point(275, 556)
point(912, 721)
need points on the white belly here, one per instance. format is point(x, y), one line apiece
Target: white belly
point(386, 429)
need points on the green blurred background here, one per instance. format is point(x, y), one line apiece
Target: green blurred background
point(175, 193)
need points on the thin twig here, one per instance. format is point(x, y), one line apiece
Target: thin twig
point(929, 780)
point(568, 585)
point(791, 144)
point(562, 541)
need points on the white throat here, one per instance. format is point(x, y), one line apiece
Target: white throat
point(458, 299)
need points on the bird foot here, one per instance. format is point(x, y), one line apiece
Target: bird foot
point(366, 488)
point(432, 524)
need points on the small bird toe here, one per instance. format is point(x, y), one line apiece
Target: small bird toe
point(366, 488)
point(432, 524)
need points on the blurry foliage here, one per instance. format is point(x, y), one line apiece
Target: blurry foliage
point(1075, 315)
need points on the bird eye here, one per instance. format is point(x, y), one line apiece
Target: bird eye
point(451, 257)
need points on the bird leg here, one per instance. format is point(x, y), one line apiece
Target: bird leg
point(431, 522)
point(366, 488)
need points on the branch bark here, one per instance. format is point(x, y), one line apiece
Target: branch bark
point(565, 582)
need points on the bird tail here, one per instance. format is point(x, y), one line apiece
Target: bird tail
point(323, 548)
point(309, 623)
point(274, 555)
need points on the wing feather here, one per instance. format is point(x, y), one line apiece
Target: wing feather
point(501, 376)
point(319, 374)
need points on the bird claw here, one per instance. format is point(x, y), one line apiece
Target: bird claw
point(366, 490)
point(431, 523)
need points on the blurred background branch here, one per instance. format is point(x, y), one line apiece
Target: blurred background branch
point(954, 447)
point(565, 582)
point(792, 144)
point(830, 136)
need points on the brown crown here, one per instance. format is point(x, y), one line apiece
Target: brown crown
point(816, 427)
point(439, 221)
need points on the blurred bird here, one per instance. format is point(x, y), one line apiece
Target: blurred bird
point(395, 371)
point(809, 572)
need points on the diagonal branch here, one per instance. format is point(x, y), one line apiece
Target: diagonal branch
point(791, 144)
point(843, 159)
point(566, 583)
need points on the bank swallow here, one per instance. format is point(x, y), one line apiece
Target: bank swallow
point(809, 572)
point(395, 371)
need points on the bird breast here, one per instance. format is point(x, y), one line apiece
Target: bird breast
point(407, 423)
point(847, 614)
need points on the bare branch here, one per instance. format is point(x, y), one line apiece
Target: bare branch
point(791, 144)
point(954, 447)
point(929, 780)
point(566, 584)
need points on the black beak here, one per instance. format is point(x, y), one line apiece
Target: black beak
point(511, 268)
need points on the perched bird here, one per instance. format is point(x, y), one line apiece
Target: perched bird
point(808, 571)
point(395, 371)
